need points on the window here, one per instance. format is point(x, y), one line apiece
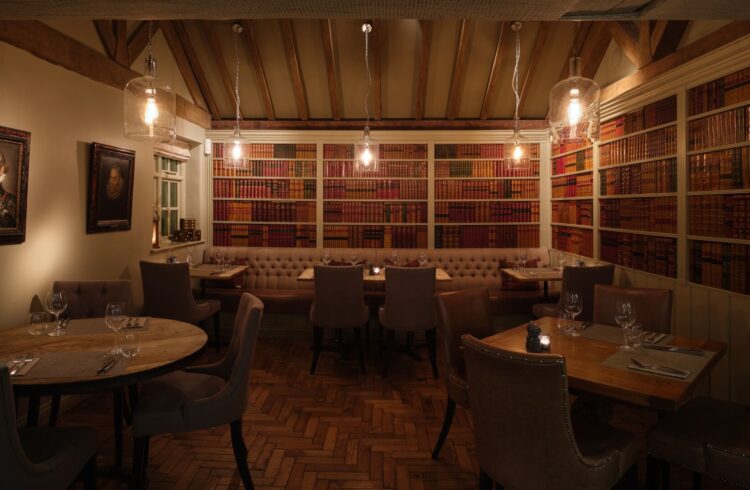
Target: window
point(168, 181)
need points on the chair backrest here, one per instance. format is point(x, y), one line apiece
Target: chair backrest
point(166, 290)
point(462, 312)
point(14, 463)
point(582, 280)
point(519, 403)
point(89, 299)
point(409, 298)
point(339, 296)
point(652, 307)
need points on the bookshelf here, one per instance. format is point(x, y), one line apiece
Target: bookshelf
point(718, 182)
point(480, 200)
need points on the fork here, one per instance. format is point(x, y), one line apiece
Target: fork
point(656, 367)
point(20, 362)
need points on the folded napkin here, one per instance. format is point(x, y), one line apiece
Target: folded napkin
point(662, 372)
point(136, 322)
point(25, 369)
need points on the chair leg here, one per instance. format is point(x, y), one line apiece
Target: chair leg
point(432, 348)
point(697, 481)
point(117, 415)
point(32, 414)
point(89, 474)
point(485, 482)
point(390, 344)
point(240, 454)
point(664, 465)
point(450, 409)
point(630, 478)
point(652, 473)
point(360, 351)
point(54, 410)
point(217, 330)
point(140, 461)
point(317, 346)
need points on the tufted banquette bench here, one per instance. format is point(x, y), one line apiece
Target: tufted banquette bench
point(272, 274)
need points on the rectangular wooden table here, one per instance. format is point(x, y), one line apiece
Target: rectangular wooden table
point(213, 272)
point(584, 358)
point(536, 274)
point(309, 275)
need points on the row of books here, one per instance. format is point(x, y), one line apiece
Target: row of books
point(573, 162)
point(581, 185)
point(486, 236)
point(720, 265)
point(385, 150)
point(653, 144)
point(268, 150)
point(723, 215)
point(651, 115)
point(484, 168)
point(717, 170)
point(657, 255)
point(374, 212)
point(640, 178)
point(300, 211)
point(657, 214)
point(724, 91)
point(262, 189)
point(260, 168)
point(724, 128)
point(374, 236)
point(482, 150)
point(254, 235)
point(384, 169)
point(374, 189)
point(573, 212)
point(487, 212)
point(569, 145)
point(578, 241)
point(486, 189)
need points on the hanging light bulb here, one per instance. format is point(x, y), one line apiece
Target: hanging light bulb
point(236, 152)
point(574, 105)
point(366, 150)
point(149, 105)
point(519, 160)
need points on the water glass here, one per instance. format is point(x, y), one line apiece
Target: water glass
point(114, 317)
point(564, 324)
point(130, 344)
point(524, 258)
point(353, 259)
point(326, 257)
point(37, 323)
point(189, 256)
point(573, 307)
point(394, 258)
point(57, 301)
point(633, 336)
point(422, 259)
point(625, 318)
point(561, 259)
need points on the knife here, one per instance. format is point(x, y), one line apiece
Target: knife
point(674, 348)
point(108, 364)
point(657, 367)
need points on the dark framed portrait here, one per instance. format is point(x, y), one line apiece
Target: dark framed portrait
point(110, 194)
point(14, 184)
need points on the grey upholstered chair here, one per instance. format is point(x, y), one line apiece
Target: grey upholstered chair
point(202, 397)
point(524, 432)
point(461, 312)
point(339, 304)
point(409, 307)
point(652, 307)
point(167, 294)
point(582, 281)
point(42, 458)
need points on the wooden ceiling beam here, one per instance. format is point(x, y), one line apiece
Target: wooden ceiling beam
point(459, 69)
point(628, 37)
point(106, 32)
point(295, 71)
point(536, 54)
point(138, 40)
point(183, 65)
point(594, 49)
point(218, 56)
point(120, 28)
point(377, 67)
point(644, 42)
point(326, 28)
point(666, 37)
point(196, 68)
point(252, 52)
point(497, 61)
point(392, 124)
point(423, 63)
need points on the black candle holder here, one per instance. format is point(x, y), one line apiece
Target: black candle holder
point(533, 341)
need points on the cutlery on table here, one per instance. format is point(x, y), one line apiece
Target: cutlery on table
point(20, 363)
point(673, 348)
point(109, 363)
point(586, 325)
point(654, 337)
point(657, 367)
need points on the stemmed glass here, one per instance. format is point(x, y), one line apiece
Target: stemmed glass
point(524, 257)
point(114, 317)
point(326, 257)
point(561, 259)
point(625, 318)
point(573, 307)
point(57, 301)
point(189, 256)
point(394, 258)
point(220, 259)
point(353, 259)
point(422, 259)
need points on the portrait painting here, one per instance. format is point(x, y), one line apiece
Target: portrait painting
point(110, 195)
point(14, 180)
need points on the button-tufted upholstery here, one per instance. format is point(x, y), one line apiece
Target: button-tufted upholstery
point(89, 299)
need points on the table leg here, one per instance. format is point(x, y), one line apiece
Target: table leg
point(117, 409)
point(32, 416)
point(546, 290)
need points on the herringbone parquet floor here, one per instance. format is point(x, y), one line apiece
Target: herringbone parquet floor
point(335, 430)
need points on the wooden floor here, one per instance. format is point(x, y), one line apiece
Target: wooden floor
point(334, 430)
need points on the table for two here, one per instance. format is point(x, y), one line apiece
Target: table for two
point(309, 275)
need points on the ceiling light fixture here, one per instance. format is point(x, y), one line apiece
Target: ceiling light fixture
point(520, 158)
point(237, 150)
point(574, 104)
point(149, 105)
point(366, 150)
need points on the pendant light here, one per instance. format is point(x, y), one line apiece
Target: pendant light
point(366, 150)
point(574, 104)
point(149, 105)
point(237, 149)
point(519, 158)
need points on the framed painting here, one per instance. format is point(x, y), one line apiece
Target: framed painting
point(14, 184)
point(110, 190)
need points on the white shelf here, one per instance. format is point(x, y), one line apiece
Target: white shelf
point(583, 148)
point(639, 232)
point(718, 192)
point(636, 162)
point(737, 241)
point(719, 148)
point(655, 274)
point(376, 178)
point(484, 200)
point(371, 199)
point(485, 223)
point(487, 178)
point(576, 198)
point(283, 223)
point(498, 159)
point(270, 159)
point(168, 246)
point(351, 160)
point(635, 196)
point(636, 133)
point(282, 199)
point(354, 223)
point(573, 225)
point(577, 172)
point(719, 110)
point(252, 177)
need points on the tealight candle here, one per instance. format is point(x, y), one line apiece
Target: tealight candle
point(545, 341)
point(376, 270)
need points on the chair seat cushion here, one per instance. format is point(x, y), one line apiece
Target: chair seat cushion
point(540, 310)
point(596, 439)
point(161, 401)
point(76, 445)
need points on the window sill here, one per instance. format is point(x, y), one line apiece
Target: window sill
point(169, 246)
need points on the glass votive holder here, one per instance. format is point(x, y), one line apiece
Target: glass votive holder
point(130, 344)
point(37, 323)
point(545, 341)
point(634, 336)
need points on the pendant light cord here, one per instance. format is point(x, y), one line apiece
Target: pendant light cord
point(515, 74)
point(236, 82)
point(367, 28)
point(149, 38)
point(575, 36)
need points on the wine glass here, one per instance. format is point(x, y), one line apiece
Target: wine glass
point(524, 257)
point(561, 259)
point(57, 301)
point(625, 318)
point(353, 259)
point(573, 307)
point(422, 259)
point(326, 257)
point(394, 258)
point(114, 317)
point(220, 259)
point(189, 256)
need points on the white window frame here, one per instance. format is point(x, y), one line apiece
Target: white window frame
point(170, 176)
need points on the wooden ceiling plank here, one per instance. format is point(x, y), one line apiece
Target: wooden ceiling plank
point(497, 61)
point(197, 69)
point(536, 54)
point(593, 51)
point(295, 71)
point(625, 35)
point(183, 64)
point(393, 124)
point(138, 40)
point(377, 66)
point(219, 61)
point(326, 27)
point(252, 52)
point(425, 42)
point(121, 42)
point(459, 69)
point(106, 32)
point(666, 37)
point(644, 42)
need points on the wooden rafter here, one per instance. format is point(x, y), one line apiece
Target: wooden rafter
point(183, 64)
point(121, 42)
point(295, 71)
point(377, 83)
point(252, 52)
point(644, 42)
point(459, 68)
point(578, 42)
point(536, 54)
point(627, 35)
point(218, 56)
point(425, 41)
point(594, 49)
point(666, 37)
point(196, 68)
point(497, 61)
point(138, 40)
point(394, 124)
point(106, 32)
point(326, 27)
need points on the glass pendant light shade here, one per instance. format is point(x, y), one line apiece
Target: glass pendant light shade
point(517, 154)
point(150, 107)
point(367, 154)
point(236, 150)
point(574, 107)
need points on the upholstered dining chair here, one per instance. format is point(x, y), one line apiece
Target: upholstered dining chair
point(409, 307)
point(339, 304)
point(167, 294)
point(582, 281)
point(653, 307)
point(708, 436)
point(461, 312)
point(525, 436)
point(201, 397)
point(42, 457)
